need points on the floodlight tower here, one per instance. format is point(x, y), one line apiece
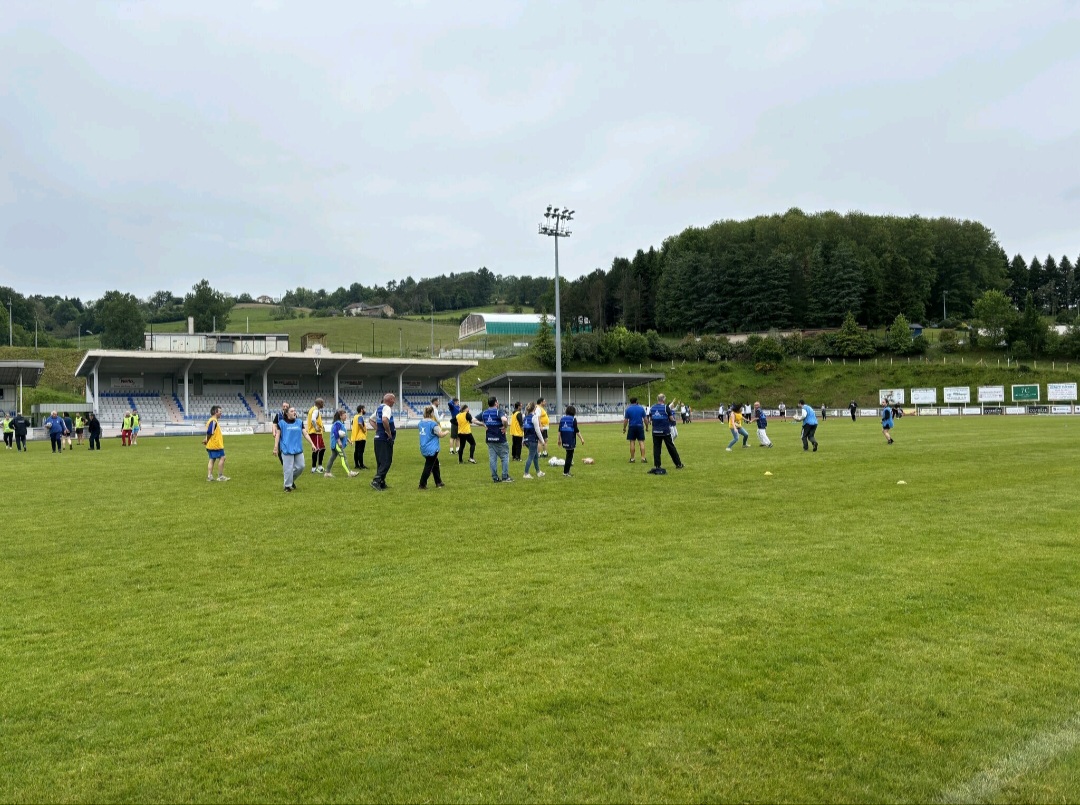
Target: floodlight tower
point(556, 225)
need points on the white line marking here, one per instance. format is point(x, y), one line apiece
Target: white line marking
point(1039, 751)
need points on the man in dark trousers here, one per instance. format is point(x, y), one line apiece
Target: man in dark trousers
point(661, 417)
point(853, 407)
point(385, 433)
point(21, 426)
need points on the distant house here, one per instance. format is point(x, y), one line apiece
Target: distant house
point(364, 309)
point(265, 300)
point(916, 329)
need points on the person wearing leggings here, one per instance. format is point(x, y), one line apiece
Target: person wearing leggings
point(465, 437)
point(533, 440)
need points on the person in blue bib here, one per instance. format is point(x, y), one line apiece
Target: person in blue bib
point(454, 407)
point(662, 418)
point(534, 440)
point(385, 434)
point(887, 421)
point(289, 438)
point(634, 426)
point(339, 441)
point(569, 436)
point(498, 448)
point(430, 434)
point(55, 427)
point(809, 426)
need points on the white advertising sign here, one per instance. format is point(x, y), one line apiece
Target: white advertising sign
point(972, 411)
point(352, 384)
point(411, 385)
point(286, 385)
point(892, 395)
point(1061, 392)
point(957, 394)
point(990, 394)
point(930, 411)
point(127, 382)
point(1015, 409)
point(1061, 409)
point(950, 411)
point(924, 396)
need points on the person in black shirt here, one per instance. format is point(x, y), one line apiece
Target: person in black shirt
point(93, 425)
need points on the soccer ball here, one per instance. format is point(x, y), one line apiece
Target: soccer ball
point(554, 461)
point(587, 461)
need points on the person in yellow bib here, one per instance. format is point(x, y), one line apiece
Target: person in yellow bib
point(465, 437)
point(517, 432)
point(215, 446)
point(541, 409)
point(315, 434)
point(359, 437)
point(9, 432)
point(80, 425)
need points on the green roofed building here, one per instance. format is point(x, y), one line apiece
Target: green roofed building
point(509, 324)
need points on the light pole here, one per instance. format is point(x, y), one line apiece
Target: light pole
point(944, 296)
point(10, 331)
point(433, 329)
point(401, 352)
point(556, 225)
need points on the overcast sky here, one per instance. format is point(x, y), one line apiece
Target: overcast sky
point(266, 145)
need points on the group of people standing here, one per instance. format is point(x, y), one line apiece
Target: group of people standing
point(61, 428)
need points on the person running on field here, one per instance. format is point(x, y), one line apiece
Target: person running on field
point(385, 436)
point(517, 432)
point(783, 411)
point(634, 426)
point(430, 434)
point(289, 445)
point(465, 437)
point(315, 434)
point(9, 432)
point(339, 441)
point(809, 426)
point(735, 425)
point(495, 436)
point(762, 423)
point(569, 435)
point(662, 419)
point(887, 421)
point(359, 437)
point(215, 446)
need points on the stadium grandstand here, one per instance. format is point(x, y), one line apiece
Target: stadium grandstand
point(176, 389)
point(14, 377)
point(596, 395)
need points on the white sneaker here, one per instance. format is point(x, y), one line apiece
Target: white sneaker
point(527, 477)
point(353, 474)
point(224, 478)
point(314, 470)
point(540, 473)
point(728, 449)
point(210, 477)
point(472, 460)
point(328, 475)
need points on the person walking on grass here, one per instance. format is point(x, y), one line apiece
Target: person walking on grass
point(662, 420)
point(465, 437)
point(54, 425)
point(125, 430)
point(569, 436)
point(430, 434)
point(136, 426)
point(541, 409)
point(809, 426)
point(735, 425)
point(495, 436)
point(533, 440)
point(215, 446)
point(275, 425)
point(9, 432)
point(339, 441)
point(289, 441)
point(315, 431)
point(359, 437)
point(762, 423)
point(517, 432)
point(93, 428)
point(853, 409)
point(80, 426)
point(633, 425)
point(69, 428)
point(385, 435)
point(21, 426)
point(887, 421)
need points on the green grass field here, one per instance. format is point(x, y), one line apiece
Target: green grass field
point(820, 634)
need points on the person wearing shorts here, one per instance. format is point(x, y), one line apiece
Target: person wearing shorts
point(465, 437)
point(215, 446)
point(454, 407)
point(315, 434)
point(887, 421)
point(634, 427)
point(80, 424)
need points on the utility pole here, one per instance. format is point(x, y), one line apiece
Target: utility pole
point(556, 227)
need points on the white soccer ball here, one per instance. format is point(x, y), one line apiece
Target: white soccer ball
point(556, 462)
point(587, 461)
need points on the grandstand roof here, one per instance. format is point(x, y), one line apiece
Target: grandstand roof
point(350, 364)
point(604, 379)
point(28, 371)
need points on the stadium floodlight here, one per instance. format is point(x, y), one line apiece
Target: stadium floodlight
point(557, 229)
